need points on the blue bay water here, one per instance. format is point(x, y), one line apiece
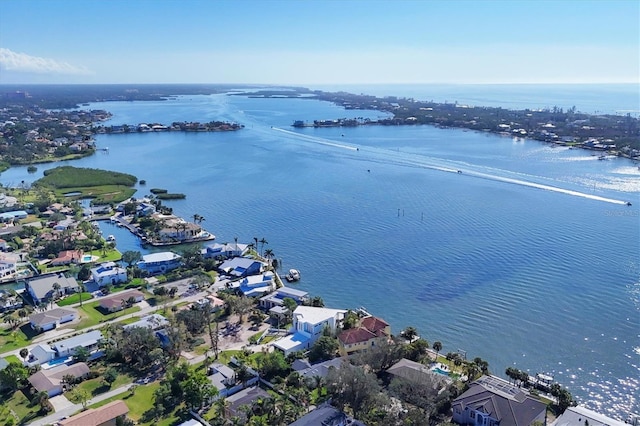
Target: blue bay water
point(378, 217)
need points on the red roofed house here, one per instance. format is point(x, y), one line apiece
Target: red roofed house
point(67, 257)
point(371, 331)
point(106, 415)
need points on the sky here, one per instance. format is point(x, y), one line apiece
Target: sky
point(316, 42)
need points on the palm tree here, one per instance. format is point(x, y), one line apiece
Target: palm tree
point(268, 254)
point(56, 287)
point(437, 346)
point(410, 333)
point(263, 242)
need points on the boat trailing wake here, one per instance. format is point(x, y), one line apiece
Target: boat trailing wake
point(422, 162)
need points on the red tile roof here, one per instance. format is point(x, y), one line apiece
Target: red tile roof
point(355, 335)
point(374, 324)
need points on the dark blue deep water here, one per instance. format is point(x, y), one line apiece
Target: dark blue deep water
point(486, 261)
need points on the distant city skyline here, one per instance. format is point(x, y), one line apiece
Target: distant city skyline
point(320, 42)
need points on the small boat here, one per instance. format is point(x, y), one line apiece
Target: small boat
point(293, 275)
point(111, 239)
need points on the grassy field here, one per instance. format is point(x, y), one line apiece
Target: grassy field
point(96, 386)
point(92, 314)
point(102, 185)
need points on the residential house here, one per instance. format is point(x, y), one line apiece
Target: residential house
point(118, 301)
point(49, 320)
point(214, 303)
point(255, 285)
point(159, 263)
point(492, 401)
point(581, 416)
point(244, 397)
point(153, 321)
point(8, 268)
point(107, 415)
point(372, 331)
point(277, 297)
point(50, 380)
point(145, 209)
point(64, 225)
point(308, 324)
point(417, 372)
point(326, 415)
point(68, 347)
point(109, 273)
point(67, 257)
point(40, 354)
point(179, 230)
point(224, 251)
point(222, 377)
point(41, 288)
point(10, 301)
point(320, 369)
point(12, 215)
point(242, 267)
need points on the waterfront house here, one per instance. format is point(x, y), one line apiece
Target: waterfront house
point(107, 415)
point(40, 354)
point(177, 229)
point(242, 267)
point(406, 369)
point(581, 416)
point(68, 347)
point(308, 324)
point(256, 285)
point(277, 297)
point(370, 332)
point(49, 320)
point(492, 401)
point(109, 273)
point(118, 301)
point(41, 288)
point(159, 263)
point(224, 251)
point(51, 380)
point(67, 257)
point(145, 209)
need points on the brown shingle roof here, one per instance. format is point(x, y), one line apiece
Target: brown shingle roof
point(116, 300)
point(97, 416)
point(46, 380)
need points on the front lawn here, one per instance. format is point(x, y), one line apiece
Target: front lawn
point(74, 298)
point(19, 337)
point(92, 314)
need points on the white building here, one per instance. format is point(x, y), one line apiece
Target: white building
point(308, 324)
point(108, 273)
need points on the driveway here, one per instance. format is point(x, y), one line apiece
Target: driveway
point(60, 402)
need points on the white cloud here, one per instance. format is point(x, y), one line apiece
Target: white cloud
point(21, 62)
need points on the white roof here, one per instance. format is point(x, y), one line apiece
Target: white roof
point(160, 257)
point(86, 339)
point(576, 416)
point(313, 315)
point(292, 341)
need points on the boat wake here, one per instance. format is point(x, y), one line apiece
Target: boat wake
point(444, 165)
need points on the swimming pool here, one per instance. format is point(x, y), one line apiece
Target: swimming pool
point(55, 362)
point(439, 371)
point(87, 258)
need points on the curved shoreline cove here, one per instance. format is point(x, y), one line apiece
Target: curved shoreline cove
point(379, 217)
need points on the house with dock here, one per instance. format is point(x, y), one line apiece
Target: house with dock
point(242, 267)
point(224, 251)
